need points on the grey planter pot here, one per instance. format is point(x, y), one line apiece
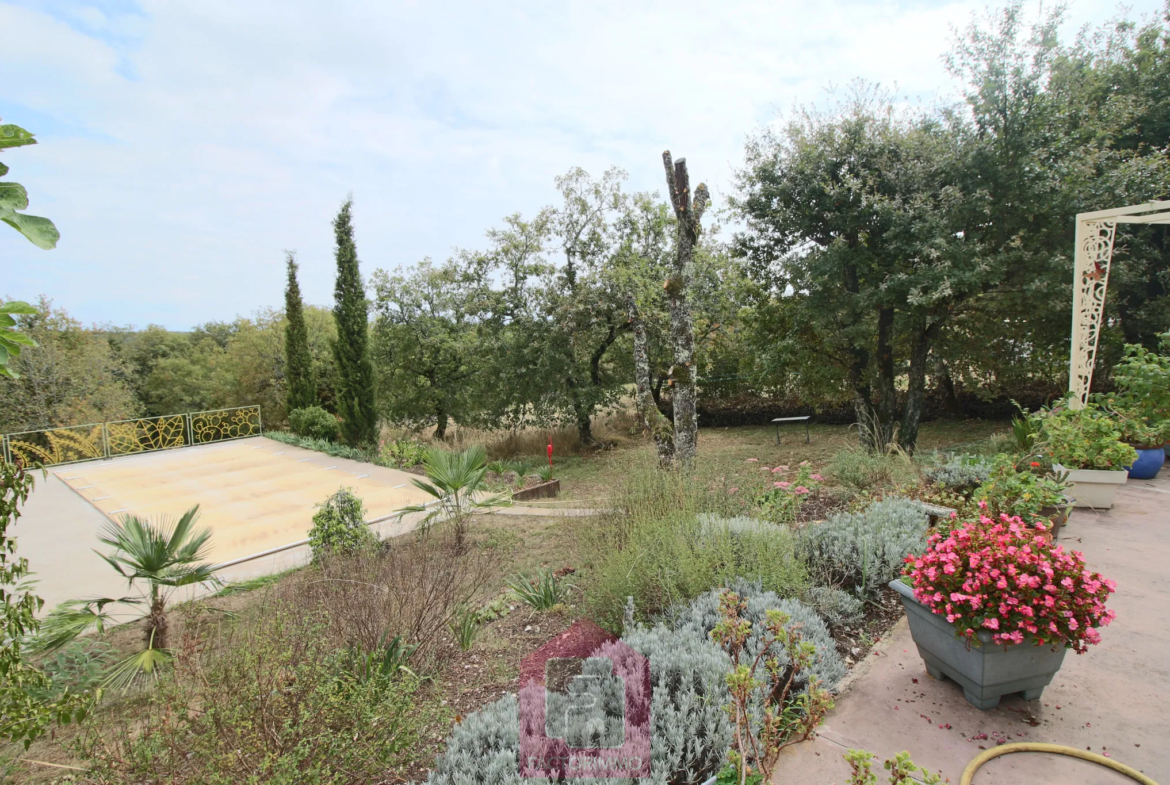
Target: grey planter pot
point(986, 672)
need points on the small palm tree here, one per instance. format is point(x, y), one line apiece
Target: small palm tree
point(454, 480)
point(163, 555)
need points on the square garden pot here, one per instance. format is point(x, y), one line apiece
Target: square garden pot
point(1094, 487)
point(986, 672)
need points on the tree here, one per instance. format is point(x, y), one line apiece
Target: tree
point(689, 213)
point(40, 231)
point(165, 556)
point(24, 716)
point(355, 373)
point(73, 377)
point(298, 364)
point(425, 344)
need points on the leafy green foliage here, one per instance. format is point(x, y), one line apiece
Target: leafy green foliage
point(321, 445)
point(465, 627)
point(11, 339)
point(1084, 439)
point(73, 377)
point(541, 591)
point(900, 767)
point(339, 526)
point(355, 372)
point(313, 422)
point(401, 453)
point(386, 661)
point(40, 231)
point(298, 362)
point(1016, 491)
point(29, 700)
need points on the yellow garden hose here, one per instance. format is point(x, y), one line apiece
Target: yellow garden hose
point(1056, 749)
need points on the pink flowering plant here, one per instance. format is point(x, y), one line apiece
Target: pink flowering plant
point(1003, 578)
point(786, 490)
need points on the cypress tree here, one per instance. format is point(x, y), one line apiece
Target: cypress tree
point(355, 372)
point(298, 364)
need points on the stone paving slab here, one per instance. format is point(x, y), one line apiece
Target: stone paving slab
point(1113, 699)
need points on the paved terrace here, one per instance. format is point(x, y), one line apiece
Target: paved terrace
point(1115, 699)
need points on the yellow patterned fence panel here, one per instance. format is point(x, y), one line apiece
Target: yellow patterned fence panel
point(147, 434)
point(57, 445)
point(223, 424)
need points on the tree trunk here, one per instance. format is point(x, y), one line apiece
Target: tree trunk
point(155, 634)
point(682, 332)
point(950, 397)
point(441, 426)
point(916, 393)
point(653, 421)
point(584, 426)
point(888, 404)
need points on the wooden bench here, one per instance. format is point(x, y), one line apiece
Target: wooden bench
point(781, 420)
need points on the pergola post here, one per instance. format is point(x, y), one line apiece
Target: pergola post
point(1095, 233)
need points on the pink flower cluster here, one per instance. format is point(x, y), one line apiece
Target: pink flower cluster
point(1004, 577)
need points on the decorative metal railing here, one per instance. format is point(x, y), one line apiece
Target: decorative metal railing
point(55, 446)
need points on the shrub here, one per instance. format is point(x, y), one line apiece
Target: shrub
point(314, 423)
point(836, 607)
point(863, 551)
point(401, 453)
point(781, 501)
point(1023, 493)
point(263, 698)
point(339, 526)
point(703, 614)
point(667, 560)
point(1003, 580)
point(690, 731)
point(541, 591)
point(320, 445)
point(862, 471)
point(1084, 439)
point(960, 473)
point(410, 586)
point(767, 714)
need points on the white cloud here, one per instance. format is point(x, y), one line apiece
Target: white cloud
point(198, 140)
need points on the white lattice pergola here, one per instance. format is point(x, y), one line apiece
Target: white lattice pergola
point(1094, 251)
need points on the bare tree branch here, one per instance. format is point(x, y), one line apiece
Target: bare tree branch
point(671, 186)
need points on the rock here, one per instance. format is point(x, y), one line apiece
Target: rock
point(511, 478)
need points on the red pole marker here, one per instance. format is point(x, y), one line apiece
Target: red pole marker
point(550, 451)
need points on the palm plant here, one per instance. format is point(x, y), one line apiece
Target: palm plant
point(162, 554)
point(454, 480)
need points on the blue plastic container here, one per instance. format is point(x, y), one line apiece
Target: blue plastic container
point(1148, 464)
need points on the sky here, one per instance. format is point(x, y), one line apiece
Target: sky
point(184, 146)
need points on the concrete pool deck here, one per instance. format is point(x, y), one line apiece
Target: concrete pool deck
point(255, 494)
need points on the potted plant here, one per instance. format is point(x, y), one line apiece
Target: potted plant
point(1142, 378)
point(1087, 444)
point(1024, 492)
point(1146, 438)
point(993, 605)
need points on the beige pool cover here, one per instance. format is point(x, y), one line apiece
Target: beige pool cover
point(254, 494)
